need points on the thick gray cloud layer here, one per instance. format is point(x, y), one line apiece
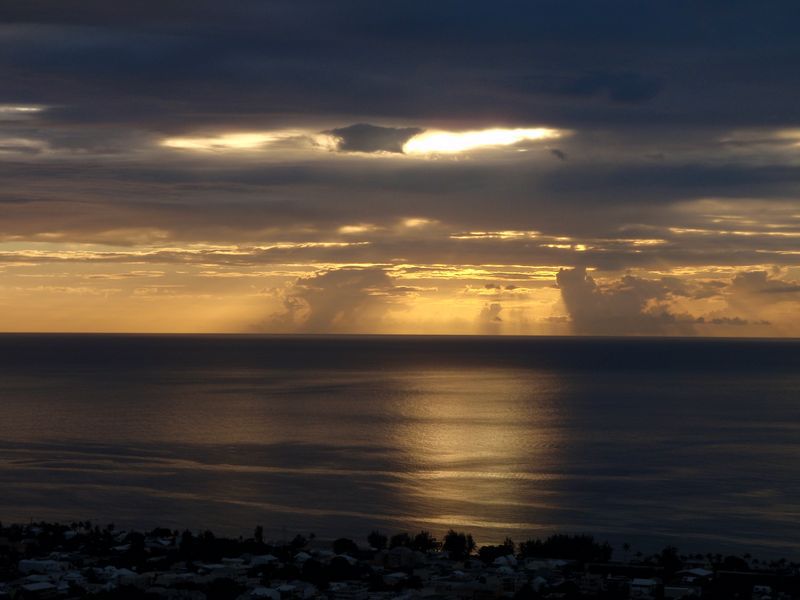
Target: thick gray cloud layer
point(606, 62)
point(679, 145)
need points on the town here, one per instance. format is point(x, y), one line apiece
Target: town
point(40, 561)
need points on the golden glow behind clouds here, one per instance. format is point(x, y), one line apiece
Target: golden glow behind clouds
point(356, 229)
point(231, 141)
point(495, 235)
point(429, 142)
point(17, 111)
point(453, 142)
point(414, 222)
point(225, 288)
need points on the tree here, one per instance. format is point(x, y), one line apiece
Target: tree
point(258, 534)
point(399, 539)
point(136, 541)
point(734, 563)
point(186, 545)
point(298, 542)
point(509, 546)
point(377, 540)
point(315, 572)
point(488, 554)
point(424, 542)
point(341, 570)
point(345, 546)
point(458, 545)
point(567, 547)
point(670, 560)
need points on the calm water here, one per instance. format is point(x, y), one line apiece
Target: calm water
point(695, 443)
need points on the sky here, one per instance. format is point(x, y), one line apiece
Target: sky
point(307, 166)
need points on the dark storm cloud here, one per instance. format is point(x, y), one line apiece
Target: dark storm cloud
point(627, 181)
point(568, 63)
point(118, 203)
point(650, 93)
point(363, 137)
point(620, 87)
point(671, 182)
point(196, 200)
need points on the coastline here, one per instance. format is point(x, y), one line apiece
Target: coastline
point(82, 560)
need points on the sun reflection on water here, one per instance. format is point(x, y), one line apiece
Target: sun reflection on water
point(468, 440)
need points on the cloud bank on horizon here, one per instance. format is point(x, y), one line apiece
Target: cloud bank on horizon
point(526, 168)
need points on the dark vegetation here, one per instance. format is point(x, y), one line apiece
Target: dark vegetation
point(91, 547)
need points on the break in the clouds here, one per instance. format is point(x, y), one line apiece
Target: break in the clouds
point(625, 167)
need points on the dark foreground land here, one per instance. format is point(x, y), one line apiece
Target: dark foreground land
point(47, 560)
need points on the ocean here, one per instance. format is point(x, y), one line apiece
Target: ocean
point(690, 442)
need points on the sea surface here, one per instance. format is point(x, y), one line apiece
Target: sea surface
point(694, 443)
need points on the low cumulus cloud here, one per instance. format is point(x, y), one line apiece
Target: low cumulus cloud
point(630, 306)
point(341, 300)
point(489, 319)
point(639, 306)
point(363, 137)
point(760, 296)
point(490, 313)
point(734, 321)
point(770, 289)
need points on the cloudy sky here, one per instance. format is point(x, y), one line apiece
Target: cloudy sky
point(619, 167)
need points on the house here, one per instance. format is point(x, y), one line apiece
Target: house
point(644, 589)
point(40, 589)
point(31, 565)
point(675, 592)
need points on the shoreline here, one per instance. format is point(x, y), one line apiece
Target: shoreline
point(85, 560)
